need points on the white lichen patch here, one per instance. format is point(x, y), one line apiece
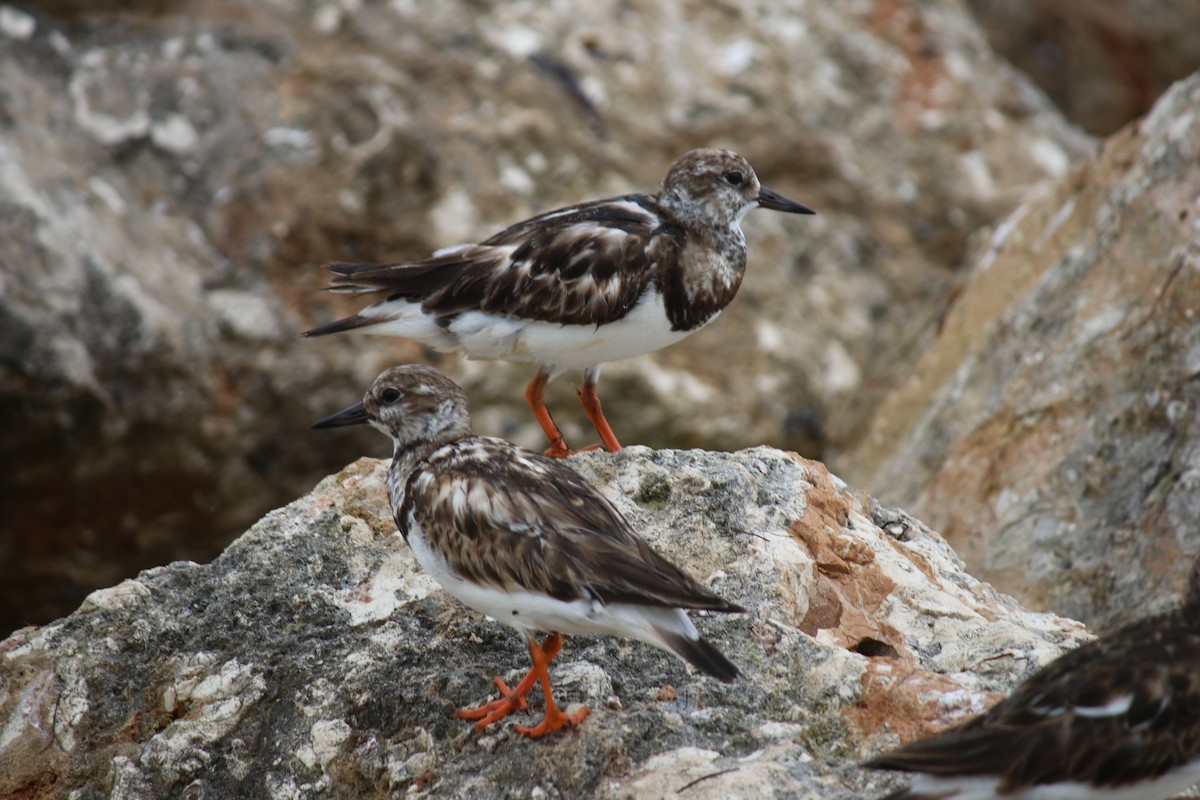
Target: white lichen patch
point(395, 582)
point(73, 703)
point(675, 386)
point(697, 774)
point(584, 680)
point(325, 744)
point(1050, 156)
point(218, 696)
point(125, 595)
point(454, 216)
point(778, 730)
point(841, 372)
point(107, 194)
point(128, 779)
point(249, 315)
point(97, 110)
point(960, 704)
point(16, 24)
point(175, 134)
point(29, 711)
point(691, 756)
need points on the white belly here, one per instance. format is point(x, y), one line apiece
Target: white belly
point(985, 788)
point(529, 611)
point(643, 330)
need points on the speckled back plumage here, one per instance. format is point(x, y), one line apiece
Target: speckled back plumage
point(519, 536)
point(590, 264)
point(509, 518)
point(1116, 715)
point(525, 540)
point(578, 287)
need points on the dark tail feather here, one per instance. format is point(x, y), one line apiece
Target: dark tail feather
point(345, 271)
point(402, 277)
point(347, 324)
point(348, 268)
point(356, 278)
point(703, 656)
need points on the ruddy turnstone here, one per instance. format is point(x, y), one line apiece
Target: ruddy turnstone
point(523, 539)
point(576, 287)
point(1117, 719)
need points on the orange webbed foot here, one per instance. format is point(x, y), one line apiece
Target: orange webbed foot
point(554, 720)
point(514, 699)
point(510, 700)
point(559, 450)
point(564, 451)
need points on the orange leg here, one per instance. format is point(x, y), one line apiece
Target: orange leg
point(513, 699)
point(534, 396)
point(510, 699)
point(554, 719)
point(591, 406)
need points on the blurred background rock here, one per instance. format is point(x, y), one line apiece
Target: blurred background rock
point(173, 176)
point(1103, 62)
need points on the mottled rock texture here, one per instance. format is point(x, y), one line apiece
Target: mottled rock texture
point(1050, 431)
point(172, 176)
point(313, 658)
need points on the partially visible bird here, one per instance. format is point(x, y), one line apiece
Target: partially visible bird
point(524, 539)
point(576, 287)
point(1116, 719)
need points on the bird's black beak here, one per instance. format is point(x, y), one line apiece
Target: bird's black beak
point(777, 202)
point(354, 415)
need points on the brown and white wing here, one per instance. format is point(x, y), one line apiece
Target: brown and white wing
point(508, 518)
point(1122, 709)
point(582, 265)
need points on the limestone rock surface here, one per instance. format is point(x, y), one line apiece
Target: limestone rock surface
point(313, 658)
point(1050, 431)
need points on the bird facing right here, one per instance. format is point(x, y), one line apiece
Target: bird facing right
point(579, 286)
point(1116, 719)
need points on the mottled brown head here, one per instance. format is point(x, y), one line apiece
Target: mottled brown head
point(412, 404)
point(710, 187)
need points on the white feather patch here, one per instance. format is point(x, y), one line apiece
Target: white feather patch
point(1115, 707)
point(986, 788)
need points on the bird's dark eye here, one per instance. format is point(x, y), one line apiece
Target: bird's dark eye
point(735, 177)
point(390, 395)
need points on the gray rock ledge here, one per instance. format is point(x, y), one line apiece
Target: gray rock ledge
point(313, 658)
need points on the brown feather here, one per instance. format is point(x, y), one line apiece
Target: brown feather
point(1043, 732)
point(586, 265)
point(523, 520)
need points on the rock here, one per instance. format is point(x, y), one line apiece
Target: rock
point(1049, 431)
point(313, 658)
point(1105, 63)
point(173, 176)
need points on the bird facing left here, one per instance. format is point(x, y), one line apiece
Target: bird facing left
point(525, 540)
